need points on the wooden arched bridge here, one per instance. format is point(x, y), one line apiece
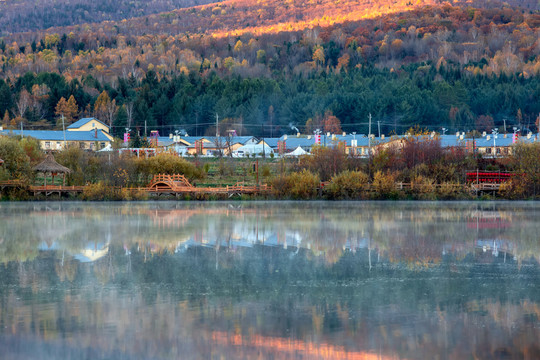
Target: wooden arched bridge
point(177, 184)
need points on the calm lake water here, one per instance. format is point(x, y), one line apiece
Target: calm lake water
point(269, 280)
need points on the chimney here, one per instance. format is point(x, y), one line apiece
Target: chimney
point(457, 134)
point(504, 136)
point(95, 133)
point(170, 136)
point(309, 137)
point(484, 134)
point(344, 133)
point(529, 135)
point(488, 137)
point(382, 136)
point(298, 134)
point(284, 137)
point(327, 134)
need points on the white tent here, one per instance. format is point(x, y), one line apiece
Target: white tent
point(106, 148)
point(252, 149)
point(297, 152)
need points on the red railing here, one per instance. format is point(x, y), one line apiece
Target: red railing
point(482, 177)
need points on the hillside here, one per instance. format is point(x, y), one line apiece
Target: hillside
point(267, 64)
point(30, 15)
point(239, 37)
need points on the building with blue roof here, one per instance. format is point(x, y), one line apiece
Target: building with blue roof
point(89, 124)
point(58, 140)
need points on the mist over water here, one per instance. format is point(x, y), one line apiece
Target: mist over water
point(287, 280)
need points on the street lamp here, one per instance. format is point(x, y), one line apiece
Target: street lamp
point(495, 133)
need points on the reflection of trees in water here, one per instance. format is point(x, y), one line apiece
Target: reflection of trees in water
point(457, 309)
point(412, 232)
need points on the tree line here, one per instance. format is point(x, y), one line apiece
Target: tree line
point(418, 94)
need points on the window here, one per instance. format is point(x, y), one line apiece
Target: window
point(47, 144)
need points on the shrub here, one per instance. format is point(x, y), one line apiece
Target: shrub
point(206, 168)
point(324, 161)
point(347, 185)
point(422, 185)
point(304, 185)
point(133, 194)
point(167, 164)
point(32, 149)
point(76, 160)
point(526, 157)
point(225, 167)
point(515, 188)
point(384, 185)
point(448, 190)
point(297, 185)
point(265, 171)
point(16, 161)
point(100, 191)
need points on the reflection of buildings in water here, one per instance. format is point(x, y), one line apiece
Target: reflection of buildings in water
point(92, 252)
point(248, 237)
point(485, 250)
point(88, 253)
point(495, 248)
point(174, 218)
point(489, 220)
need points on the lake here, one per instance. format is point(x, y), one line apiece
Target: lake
point(270, 280)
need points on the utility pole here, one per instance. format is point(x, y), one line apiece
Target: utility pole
point(262, 132)
point(64, 130)
point(22, 131)
point(218, 143)
point(379, 125)
point(369, 136)
point(145, 129)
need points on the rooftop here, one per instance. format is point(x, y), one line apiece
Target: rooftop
point(52, 135)
point(82, 122)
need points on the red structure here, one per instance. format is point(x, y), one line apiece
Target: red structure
point(481, 177)
point(282, 147)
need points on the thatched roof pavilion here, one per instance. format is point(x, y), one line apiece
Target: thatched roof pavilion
point(49, 165)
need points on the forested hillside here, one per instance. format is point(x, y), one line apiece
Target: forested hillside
point(29, 15)
point(264, 66)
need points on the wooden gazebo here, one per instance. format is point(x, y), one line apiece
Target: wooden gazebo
point(50, 166)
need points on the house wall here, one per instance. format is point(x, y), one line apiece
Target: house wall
point(501, 150)
point(59, 145)
point(91, 125)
